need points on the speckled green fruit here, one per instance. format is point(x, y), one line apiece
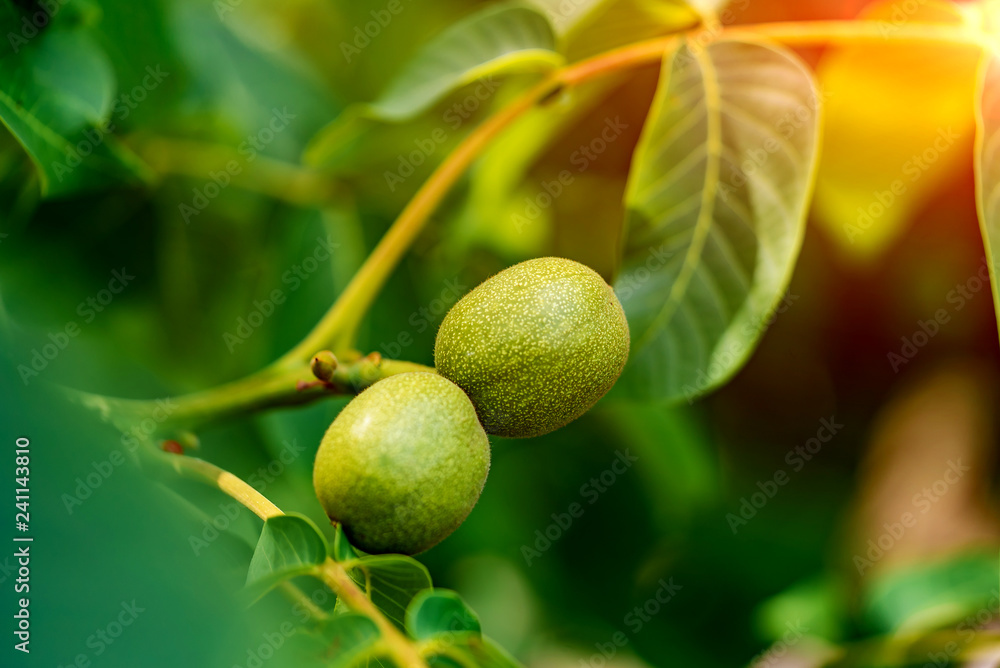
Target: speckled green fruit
point(403, 464)
point(535, 346)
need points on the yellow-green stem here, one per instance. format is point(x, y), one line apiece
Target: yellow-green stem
point(403, 651)
point(828, 33)
point(269, 388)
point(334, 575)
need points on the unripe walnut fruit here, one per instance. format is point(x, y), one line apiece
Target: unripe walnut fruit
point(535, 346)
point(403, 464)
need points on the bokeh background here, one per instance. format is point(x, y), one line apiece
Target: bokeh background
point(859, 437)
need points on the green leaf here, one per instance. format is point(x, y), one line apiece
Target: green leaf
point(716, 208)
point(436, 612)
point(442, 615)
point(349, 640)
point(819, 604)
point(931, 594)
point(501, 39)
point(239, 81)
point(390, 581)
point(472, 649)
point(342, 641)
point(135, 43)
point(55, 98)
point(987, 164)
point(289, 545)
point(342, 550)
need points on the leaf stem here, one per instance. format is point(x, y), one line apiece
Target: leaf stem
point(333, 574)
point(269, 388)
point(232, 485)
point(399, 646)
point(827, 33)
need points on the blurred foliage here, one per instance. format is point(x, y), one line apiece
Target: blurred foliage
point(224, 107)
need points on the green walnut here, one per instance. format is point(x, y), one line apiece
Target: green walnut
point(535, 346)
point(403, 464)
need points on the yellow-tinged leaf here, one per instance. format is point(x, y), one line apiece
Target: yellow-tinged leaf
point(987, 163)
point(716, 205)
point(899, 123)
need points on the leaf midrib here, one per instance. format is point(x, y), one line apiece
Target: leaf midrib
point(713, 161)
